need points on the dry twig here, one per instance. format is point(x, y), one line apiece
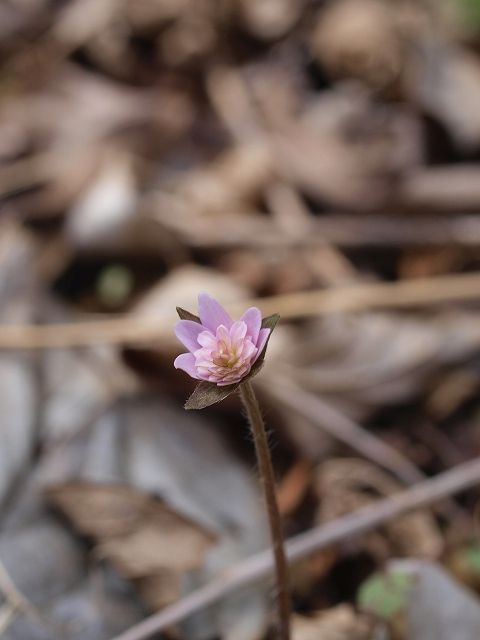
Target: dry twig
point(260, 566)
point(17, 602)
point(395, 295)
point(341, 427)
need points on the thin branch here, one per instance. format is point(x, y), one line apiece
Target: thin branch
point(336, 229)
point(127, 329)
point(341, 427)
point(8, 613)
point(20, 603)
point(260, 566)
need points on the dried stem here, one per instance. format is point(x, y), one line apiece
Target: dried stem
point(17, 602)
point(338, 425)
point(268, 482)
point(419, 292)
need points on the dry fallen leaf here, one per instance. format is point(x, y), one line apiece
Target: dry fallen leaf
point(445, 80)
point(137, 533)
point(359, 38)
point(360, 361)
point(344, 150)
point(340, 623)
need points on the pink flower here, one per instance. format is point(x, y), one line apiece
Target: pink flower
point(220, 350)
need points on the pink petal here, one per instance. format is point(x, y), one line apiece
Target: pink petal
point(253, 319)
point(262, 339)
point(186, 362)
point(187, 331)
point(212, 314)
point(207, 340)
point(248, 350)
point(238, 330)
point(203, 358)
point(223, 334)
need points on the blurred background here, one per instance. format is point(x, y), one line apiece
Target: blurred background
point(319, 158)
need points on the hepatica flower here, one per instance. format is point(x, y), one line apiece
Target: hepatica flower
point(222, 352)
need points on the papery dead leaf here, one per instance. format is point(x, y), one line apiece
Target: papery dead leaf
point(138, 534)
point(340, 623)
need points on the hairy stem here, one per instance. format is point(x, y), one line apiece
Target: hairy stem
point(268, 483)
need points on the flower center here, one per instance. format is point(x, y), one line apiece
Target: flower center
point(225, 356)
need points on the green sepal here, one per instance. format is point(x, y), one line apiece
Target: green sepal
point(186, 315)
point(270, 322)
point(208, 393)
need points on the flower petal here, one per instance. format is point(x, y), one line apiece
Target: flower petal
point(248, 349)
point(186, 362)
point(207, 340)
point(253, 319)
point(262, 339)
point(222, 332)
point(238, 331)
point(187, 332)
point(212, 314)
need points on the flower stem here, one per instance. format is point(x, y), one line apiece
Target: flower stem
point(268, 482)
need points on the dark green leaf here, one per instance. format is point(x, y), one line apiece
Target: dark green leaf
point(208, 393)
point(186, 315)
